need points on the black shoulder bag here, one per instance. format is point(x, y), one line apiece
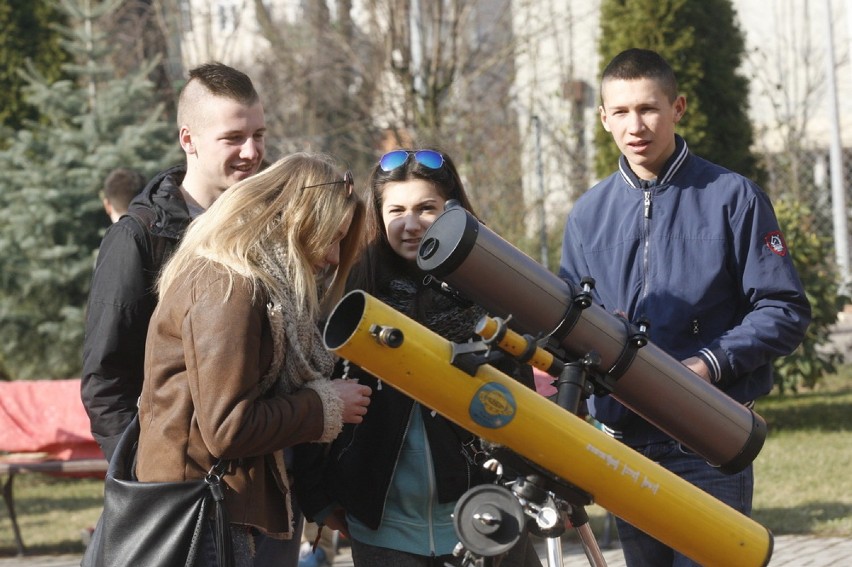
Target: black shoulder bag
point(156, 523)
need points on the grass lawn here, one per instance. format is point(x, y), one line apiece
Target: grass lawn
point(51, 512)
point(803, 480)
point(802, 476)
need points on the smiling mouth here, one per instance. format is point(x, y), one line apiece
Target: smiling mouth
point(247, 168)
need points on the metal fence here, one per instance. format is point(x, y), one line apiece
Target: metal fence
point(805, 176)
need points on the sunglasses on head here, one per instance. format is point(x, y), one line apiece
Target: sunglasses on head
point(348, 183)
point(396, 158)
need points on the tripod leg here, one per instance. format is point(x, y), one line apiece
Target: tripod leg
point(590, 546)
point(579, 520)
point(554, 552)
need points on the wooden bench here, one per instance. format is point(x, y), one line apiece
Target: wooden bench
point(44, 429)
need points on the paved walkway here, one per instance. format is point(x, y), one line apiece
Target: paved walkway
point(790, 551)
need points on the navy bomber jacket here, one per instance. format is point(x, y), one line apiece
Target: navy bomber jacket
point(699, 253)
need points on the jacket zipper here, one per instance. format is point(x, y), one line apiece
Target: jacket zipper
point(430, 468)
point(647, 244)
point(396, 460)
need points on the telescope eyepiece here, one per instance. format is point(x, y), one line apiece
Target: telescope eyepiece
point(387, 336)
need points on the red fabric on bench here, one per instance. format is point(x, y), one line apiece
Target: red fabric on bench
point(46, 416)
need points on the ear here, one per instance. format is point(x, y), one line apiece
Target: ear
point(602, 112)
point(185, 138)
point(679, 108)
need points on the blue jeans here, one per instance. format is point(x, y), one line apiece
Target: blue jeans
point(251, 547)
point(735, 490)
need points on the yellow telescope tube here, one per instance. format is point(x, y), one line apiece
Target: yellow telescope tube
point(413, 359)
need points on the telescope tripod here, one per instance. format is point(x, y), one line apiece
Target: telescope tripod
point(490, 519)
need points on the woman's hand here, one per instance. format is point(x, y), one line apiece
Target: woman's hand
point(355, 398)
point(337, 521)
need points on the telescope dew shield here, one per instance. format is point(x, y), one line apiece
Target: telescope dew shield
point(499, 409)
point(483, 267)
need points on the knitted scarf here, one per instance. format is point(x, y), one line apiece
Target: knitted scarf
point(437, 311)
point(299, 359)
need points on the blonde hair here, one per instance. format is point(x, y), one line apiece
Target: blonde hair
point(277, 208)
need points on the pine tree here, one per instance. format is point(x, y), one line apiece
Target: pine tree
point(27, 36)
point(51, 218)
point(703, 43)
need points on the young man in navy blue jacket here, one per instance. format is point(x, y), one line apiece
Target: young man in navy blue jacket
point(696, 250)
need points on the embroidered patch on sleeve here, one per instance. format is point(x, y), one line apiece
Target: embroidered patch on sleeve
point(775, 242)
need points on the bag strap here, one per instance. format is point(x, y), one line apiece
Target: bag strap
point(222, 535)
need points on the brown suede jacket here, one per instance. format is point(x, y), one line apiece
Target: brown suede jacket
point(205, 357)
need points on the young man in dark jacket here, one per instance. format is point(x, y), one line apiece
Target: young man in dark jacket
point(222, 132)
point(695, 249)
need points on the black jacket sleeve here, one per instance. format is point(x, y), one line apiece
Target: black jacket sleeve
point(120, 306)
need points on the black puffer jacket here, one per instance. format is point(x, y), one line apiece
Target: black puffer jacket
point(122, 300)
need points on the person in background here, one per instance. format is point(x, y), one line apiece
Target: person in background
point(390, 484)
point(235, 367)
point(221, 128)
point(697, 251)
point(120, 187)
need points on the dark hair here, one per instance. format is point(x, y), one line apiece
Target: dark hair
point(224, 81)
point(637, 63)
point(379, 263)
point(121, 185)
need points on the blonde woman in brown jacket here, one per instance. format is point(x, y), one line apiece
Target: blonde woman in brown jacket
point(235, 367)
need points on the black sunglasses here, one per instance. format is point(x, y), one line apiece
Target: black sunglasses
point(348, 183)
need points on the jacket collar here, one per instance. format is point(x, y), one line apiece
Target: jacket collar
point(672, 165)
point(162, 195)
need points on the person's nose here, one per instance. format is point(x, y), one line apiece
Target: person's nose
point(251, 149)
point(412, 222)
point(332, 258)
point(635, 124)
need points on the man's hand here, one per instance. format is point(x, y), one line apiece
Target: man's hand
point(698, 366)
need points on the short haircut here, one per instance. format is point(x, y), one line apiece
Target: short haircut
point(635, 63)
point(121, 186)
point(215, 79)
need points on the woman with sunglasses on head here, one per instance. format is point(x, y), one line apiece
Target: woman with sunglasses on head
point(235, 368)
point(391, 483)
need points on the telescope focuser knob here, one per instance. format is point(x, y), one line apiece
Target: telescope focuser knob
point(584, 298)
point(640, 337)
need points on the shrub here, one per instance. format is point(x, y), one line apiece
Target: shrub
point(818, 271)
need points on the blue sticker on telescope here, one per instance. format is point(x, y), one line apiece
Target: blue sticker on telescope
point(493, 406)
